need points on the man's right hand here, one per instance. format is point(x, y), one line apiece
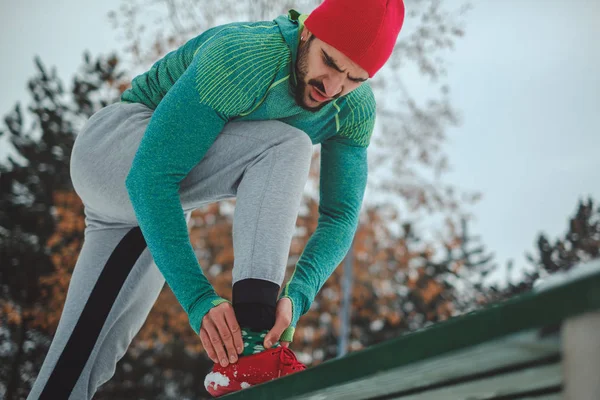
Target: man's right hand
point(221, 335)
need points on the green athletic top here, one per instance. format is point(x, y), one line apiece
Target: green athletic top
point(242, 72)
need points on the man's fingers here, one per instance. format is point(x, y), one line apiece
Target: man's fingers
point(215, 340)
point(234, 327)
point(227, 338)
point(281, 324)
point(283, 319)
point(210, 350)
point(285, 344)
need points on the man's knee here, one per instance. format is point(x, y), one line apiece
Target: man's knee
point(297, 142)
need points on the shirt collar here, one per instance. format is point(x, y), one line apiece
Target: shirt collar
point(290, 26)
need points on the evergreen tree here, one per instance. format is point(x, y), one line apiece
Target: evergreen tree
point(581, 243)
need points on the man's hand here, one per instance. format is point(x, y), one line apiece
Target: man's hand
point(220, 331)
point(283, 318)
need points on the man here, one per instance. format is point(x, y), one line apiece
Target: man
point(233, 113)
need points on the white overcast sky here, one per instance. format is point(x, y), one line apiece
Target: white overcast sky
point(526, 79)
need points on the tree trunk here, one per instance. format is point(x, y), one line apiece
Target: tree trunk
point(15, 379)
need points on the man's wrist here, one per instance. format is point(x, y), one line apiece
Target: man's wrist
point(288, 335)
point(202, 308)
point(299, 304)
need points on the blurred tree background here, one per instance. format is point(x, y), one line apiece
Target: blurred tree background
point(403, 279)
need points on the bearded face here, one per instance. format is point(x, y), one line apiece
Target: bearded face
point(323, 74)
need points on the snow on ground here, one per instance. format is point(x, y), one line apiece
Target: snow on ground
point(561, 278)
point(216, 379)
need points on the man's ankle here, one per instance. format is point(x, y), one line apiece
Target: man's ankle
point(254, 341)
point(254, 302)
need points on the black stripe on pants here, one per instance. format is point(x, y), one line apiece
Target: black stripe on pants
point(87, 330)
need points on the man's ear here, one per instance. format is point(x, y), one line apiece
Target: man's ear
point(306, 33)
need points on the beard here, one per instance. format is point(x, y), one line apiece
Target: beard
point(302, 87)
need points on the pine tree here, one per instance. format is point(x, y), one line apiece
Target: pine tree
point(581, 243)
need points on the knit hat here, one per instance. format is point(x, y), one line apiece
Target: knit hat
point(365, 31)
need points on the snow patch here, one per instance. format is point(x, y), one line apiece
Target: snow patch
point(325, 318)
point(304, 358)
point(245, 385)
point(561, 278)
point(215, 379)
point(377, 325)
point(227, 208)
point(215, 269)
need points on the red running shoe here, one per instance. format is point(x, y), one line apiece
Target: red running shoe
point(252, 370)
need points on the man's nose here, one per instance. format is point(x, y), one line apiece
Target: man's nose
point(332, 87)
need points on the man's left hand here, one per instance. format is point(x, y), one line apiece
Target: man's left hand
point(283, 318)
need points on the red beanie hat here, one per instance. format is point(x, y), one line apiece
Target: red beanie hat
point(365, 31)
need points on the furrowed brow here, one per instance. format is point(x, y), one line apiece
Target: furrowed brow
point(331, 62)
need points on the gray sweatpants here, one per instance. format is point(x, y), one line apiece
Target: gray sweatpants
point(263, 164)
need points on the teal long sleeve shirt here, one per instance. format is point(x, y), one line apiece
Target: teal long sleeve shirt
point(242, 72)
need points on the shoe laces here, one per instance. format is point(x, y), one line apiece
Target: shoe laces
point(288, 358)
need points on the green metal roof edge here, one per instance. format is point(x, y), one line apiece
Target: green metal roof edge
point(528, 311)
